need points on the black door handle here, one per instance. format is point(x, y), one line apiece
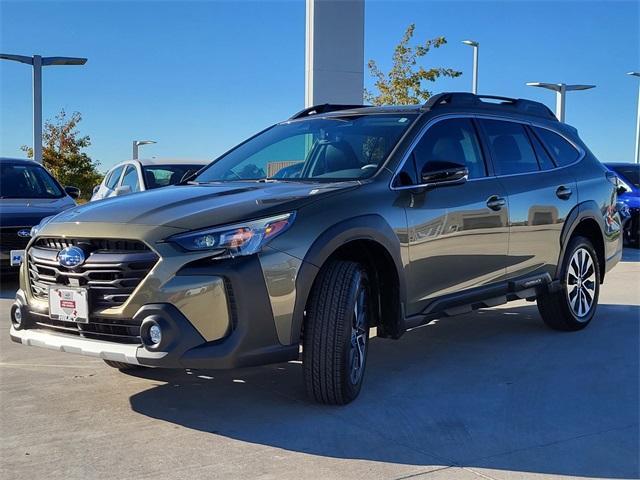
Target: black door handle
point(495, 202)
point(563, 192)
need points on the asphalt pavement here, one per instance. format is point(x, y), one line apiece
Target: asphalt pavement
point(492, 395)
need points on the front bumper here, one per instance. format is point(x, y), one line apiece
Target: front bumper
point(182, 346)
point(213, 315)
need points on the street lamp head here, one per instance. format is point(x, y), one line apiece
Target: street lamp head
point(63, 61)
point(634, 74)
point(471, 43)
point(556, 87)
point(144, 142)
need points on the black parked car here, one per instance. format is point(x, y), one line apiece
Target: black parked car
point(28, 193)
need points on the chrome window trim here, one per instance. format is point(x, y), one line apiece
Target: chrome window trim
point(440, 118)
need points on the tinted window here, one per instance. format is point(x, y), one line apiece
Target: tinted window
point(628, 173)
point(27, 181)
point(454, 141)
point(545, 161)
point(131, 178)
point(114, 176)
point(157, 176)
point(346, 147)
point(510, 147)
point(562, 151)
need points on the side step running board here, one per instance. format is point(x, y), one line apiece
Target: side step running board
point(483, 297)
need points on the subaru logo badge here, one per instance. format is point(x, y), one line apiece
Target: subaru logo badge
point(71, 257)
point(24, 233)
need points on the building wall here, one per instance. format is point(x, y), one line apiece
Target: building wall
point(334, 57)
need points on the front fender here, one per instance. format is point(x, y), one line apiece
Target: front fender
point(365, 227)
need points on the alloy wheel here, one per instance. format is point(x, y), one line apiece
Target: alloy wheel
point(581, 283)
point(359, 333)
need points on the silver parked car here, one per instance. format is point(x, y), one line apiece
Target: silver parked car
point(139, 175)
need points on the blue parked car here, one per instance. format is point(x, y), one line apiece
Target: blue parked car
point(629, 175)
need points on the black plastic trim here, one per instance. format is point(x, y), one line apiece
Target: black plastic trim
point(366, 227)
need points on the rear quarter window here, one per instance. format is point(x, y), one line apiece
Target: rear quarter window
point(560, 149)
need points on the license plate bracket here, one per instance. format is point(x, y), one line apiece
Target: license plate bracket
point(69, 304)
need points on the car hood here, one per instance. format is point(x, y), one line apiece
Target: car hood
point(21, 212)
point(632, 199)
point(192, 207)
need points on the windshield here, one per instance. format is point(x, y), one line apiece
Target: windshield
point(27, 181)
point(629, 173)
point(335, 148)
point(156, 176)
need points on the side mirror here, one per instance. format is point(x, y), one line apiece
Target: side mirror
point(123, 190)
point(73, 192)
point(443, 173)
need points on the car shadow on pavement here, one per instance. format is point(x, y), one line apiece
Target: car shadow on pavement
point(494, 389)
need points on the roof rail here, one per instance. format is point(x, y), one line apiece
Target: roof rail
point(465, 99)
point(324, 108)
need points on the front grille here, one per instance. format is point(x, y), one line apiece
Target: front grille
point(10, 240)
point(94, 244)
point(111, 272)
point(111, 275)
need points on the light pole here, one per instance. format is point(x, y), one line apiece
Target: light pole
point(137, 143)
point(637, 159)
point(476, 48)
point(38, 62)
point(561, 90)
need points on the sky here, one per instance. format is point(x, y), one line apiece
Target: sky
point(199, 77)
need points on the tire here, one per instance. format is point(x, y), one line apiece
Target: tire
point(121, 365)
point(336, 333)
point(574, 305)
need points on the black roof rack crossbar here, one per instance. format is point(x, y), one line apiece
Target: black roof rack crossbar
point(324, 108)
point(465, 99)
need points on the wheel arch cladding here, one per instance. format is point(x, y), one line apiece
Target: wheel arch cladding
point(370, 240)
point(584, 220)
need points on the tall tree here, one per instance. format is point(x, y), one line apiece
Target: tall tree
point(62, 153)
point(403, 85)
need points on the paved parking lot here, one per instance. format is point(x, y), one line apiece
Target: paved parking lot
point(492, 394)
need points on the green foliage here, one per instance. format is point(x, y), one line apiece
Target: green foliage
point(403, 84)
point(62, 153)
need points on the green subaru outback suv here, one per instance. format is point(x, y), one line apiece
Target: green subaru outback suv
point(319, 228)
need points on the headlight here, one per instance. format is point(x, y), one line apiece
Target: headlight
point(235, 240)
point(38, 227)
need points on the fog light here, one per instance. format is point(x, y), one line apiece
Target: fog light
point(16, 316)
point(155, 334)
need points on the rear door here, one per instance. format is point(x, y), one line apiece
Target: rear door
point(540, 194)
point(458, 234)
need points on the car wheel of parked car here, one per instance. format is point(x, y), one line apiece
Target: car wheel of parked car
point(121, 365)
point(574, 305)
point(336, 333)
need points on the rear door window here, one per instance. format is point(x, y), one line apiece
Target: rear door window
point(546, 162)
point(511, 150)
point(131, 178)
point(114, 176)
point(562, 151)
